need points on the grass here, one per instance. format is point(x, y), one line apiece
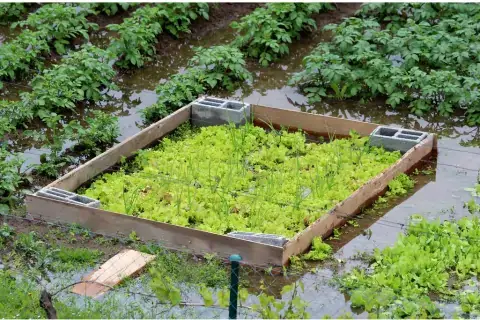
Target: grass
point(222, 178)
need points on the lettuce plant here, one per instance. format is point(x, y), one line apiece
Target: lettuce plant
point(445, 256)
point(225, 178)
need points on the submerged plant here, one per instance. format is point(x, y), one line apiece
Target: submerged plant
point(319, 251)
point(397, 288)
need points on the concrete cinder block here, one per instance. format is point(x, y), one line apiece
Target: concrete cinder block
point(264, 238)
point(393, 139)
point(67, 196)
point(210, 111)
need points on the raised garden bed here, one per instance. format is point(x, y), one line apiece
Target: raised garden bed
point(191, 191)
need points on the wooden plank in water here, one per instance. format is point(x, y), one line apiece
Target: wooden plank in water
point(122, 265)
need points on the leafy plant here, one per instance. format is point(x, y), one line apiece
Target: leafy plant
point(6, 234)
point(59, 23)
point(110, 8)
point(422, 58)
point(100, 130)
point(400, 185)
point(74, 258)
point(216, 67)
point(12, 115)
point(12, 177)
point(137, 35)
point(51, 164)
point(12, 11)
point(223, 66)
point(176, 17)
point(223, 179)
point(445, 257)
point(266, 33)
point(320, 250)
point(21, 54)
point(81, 75)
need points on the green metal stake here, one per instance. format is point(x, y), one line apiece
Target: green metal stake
point(234, 275)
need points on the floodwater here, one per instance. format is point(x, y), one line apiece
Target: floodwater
point(440, 195)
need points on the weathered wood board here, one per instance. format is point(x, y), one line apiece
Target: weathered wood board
point(200, 242)
point(124, 264)
point(169, 235)
point(75, 178)
point(312, 123)
point(324, 226)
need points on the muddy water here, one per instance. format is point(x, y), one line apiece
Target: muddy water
point(438, 196)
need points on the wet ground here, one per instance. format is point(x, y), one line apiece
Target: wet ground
point(439, 195)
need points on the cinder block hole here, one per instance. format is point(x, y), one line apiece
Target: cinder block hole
point(59, 192)
point(81, 199)
point(208, 103)
point(56, 193)
point(413, 133)
point(218, 101)
point(234, 106)
point(388, 132)
point(407, 136)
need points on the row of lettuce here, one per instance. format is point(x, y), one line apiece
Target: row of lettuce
point(85, 76)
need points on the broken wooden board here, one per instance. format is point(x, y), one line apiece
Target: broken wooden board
point(124, 264)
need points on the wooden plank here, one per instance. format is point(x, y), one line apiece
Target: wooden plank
point(90, 169)
point(171, 236)
point(352, 205)
point(124, 264)
point(312, 123)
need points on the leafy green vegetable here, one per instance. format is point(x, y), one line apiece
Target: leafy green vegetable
point(266, 33)
point(423, 261)
point(12, 11)
point(223, 179)
point(212, 68)
point(138, 34)
point(423, 57)
point(320, 250)
point(59, 23)
point(81, 75)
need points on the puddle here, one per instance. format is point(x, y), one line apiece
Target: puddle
point(435, 195)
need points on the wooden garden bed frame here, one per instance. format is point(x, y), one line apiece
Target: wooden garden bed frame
point(200, 242)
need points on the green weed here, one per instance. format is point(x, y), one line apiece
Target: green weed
point(67, 259)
